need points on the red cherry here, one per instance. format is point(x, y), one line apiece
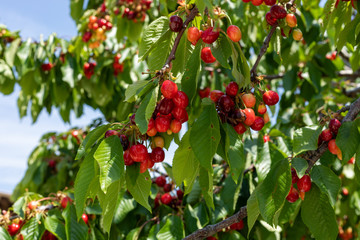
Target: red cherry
point(175, 126)
point(215, 95)
point(150, 162)
point(127, 158)
point(249, 100)
point(207, 56)
point(48, 236)
point(262, 108)
point(238, 225)
point(240, 128)
point(231, 89)
point(270, 2)
point(181, 99)
point(169, 89)
point(176, 23)
point(46, 67)
point(256, 2)
point(214, 238)
point(266, 138)
point(151, 124)
point(52, 163)
point(258, 123)
point(234, 33)
point(345, 191)
point(166, 105)
point(266, 118)
point(278, 12)
point(352, 160)
point(162, 123)
point(110, 133)
point(166, 198)
point(101, 22)
point(204, 93)
point(294, 176)
point(270, 98)
point(13, 229)
point(293, 195)
point(167, 187)
point(193, 35)
point(160, 181)
point(157, 155)
point(326, 135)
point(143, 166)
point(124, 142)
point(270, 19)
point(92, 19)
point(304, 183)
point(138, 152)
point(180, 114)
point(333, 148)
point(334, 126)
point(180, 194)
point(250, 116)
point(85, 218)
point(291, 20)
point(64, 202)
point(108, 26)
point(226, 104)
point(87, 36)
point(103, 7)
point(209, 36)
point(33, 205)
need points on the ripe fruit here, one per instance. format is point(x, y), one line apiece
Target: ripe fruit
point(234, 33)
point(158, 142)
point(52, 163)
point(207, 56)
point(270, 2)
point(249, 100)
point(256, 2)
point(291, 20)
point(334, 126)
point(304, 184)
point(144, 166)
point(278, 12)
point(48, 236)
point(193, 35)
point(294, 176)
point(138, 153)
point(226, 103)
point(333, 148)
point(270, 98)
point(209, 36)
point(92, 19)
point(238, 225)
point(266, 118)
point(160, 181)
point(214, 238)
point(109, 133)
point(215, 95)
point(64, 202)
point(127, 158)
point(179, 114)
point(231, 89)
point(85, 218)
point(176, 23)
point(165, 106)
point(33, 205)
point(240, 128)
point(151, 124)
point(13, 229)
point(175, 126)
point(326, 135)
point(266, 138)
point(166, 198)
point(167, 187)
point(181, 100)
point(293, 195)
point(258, 123)
point(270, 19)
point(203, 93)
point(352, 160)
point(46, 67)
point(157, 155)
point(297, 34)
point(87, 36)
point(180, 194)
point(124, 142)
point(250, 116)
point(162, 123)
point(169, 89)
point(262, 108)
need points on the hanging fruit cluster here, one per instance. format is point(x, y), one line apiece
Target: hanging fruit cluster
point(303, 185)
point(118, 67)
point(134, 9)
point(167, 195)
point(89, 69)
point(329, 135)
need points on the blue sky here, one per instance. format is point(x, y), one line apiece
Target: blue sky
point(19, 137)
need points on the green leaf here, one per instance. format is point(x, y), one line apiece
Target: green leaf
point(146, 109)
point(241, 70)
point(125, 206)
point(160, 52)
point(83, 179)
point(195, 218)
point(74, 230)
point(185, 165)
point(19, 206)
point(347, 34)
point(7, 81)
point(253, 210)
point(348, 140)
point(328, 182)
point(205, 135)
point(289, 212)
point(139, 185)
point(300, 166)
point(134, 89)
point(109, 156)
point(192, 69)
point(318, 215)
point(68, 72)
point(32, 229)
point(76, 8)
point(306, 139)
point(273, 191)
point(231, 235)
point(133, 234)
point(183, 52)
point(90, 140)
point(4, 234)
point(10, 52)
point(173, 229)
point(152, 36)
point(206, 184)
point(263, 160)
point(221, 50)
point(328, 10)
point(54, 225)
point(230, 193)
point(108, 205)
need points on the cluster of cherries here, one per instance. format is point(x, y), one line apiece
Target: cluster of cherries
point(240, 118)
point(167, 197)
point(89, 69)
point(329, 135)
point(303, 185)
point(134, 10)
point(118, 67)
point(97, 27)
point(170, 113)
point(46, 67)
